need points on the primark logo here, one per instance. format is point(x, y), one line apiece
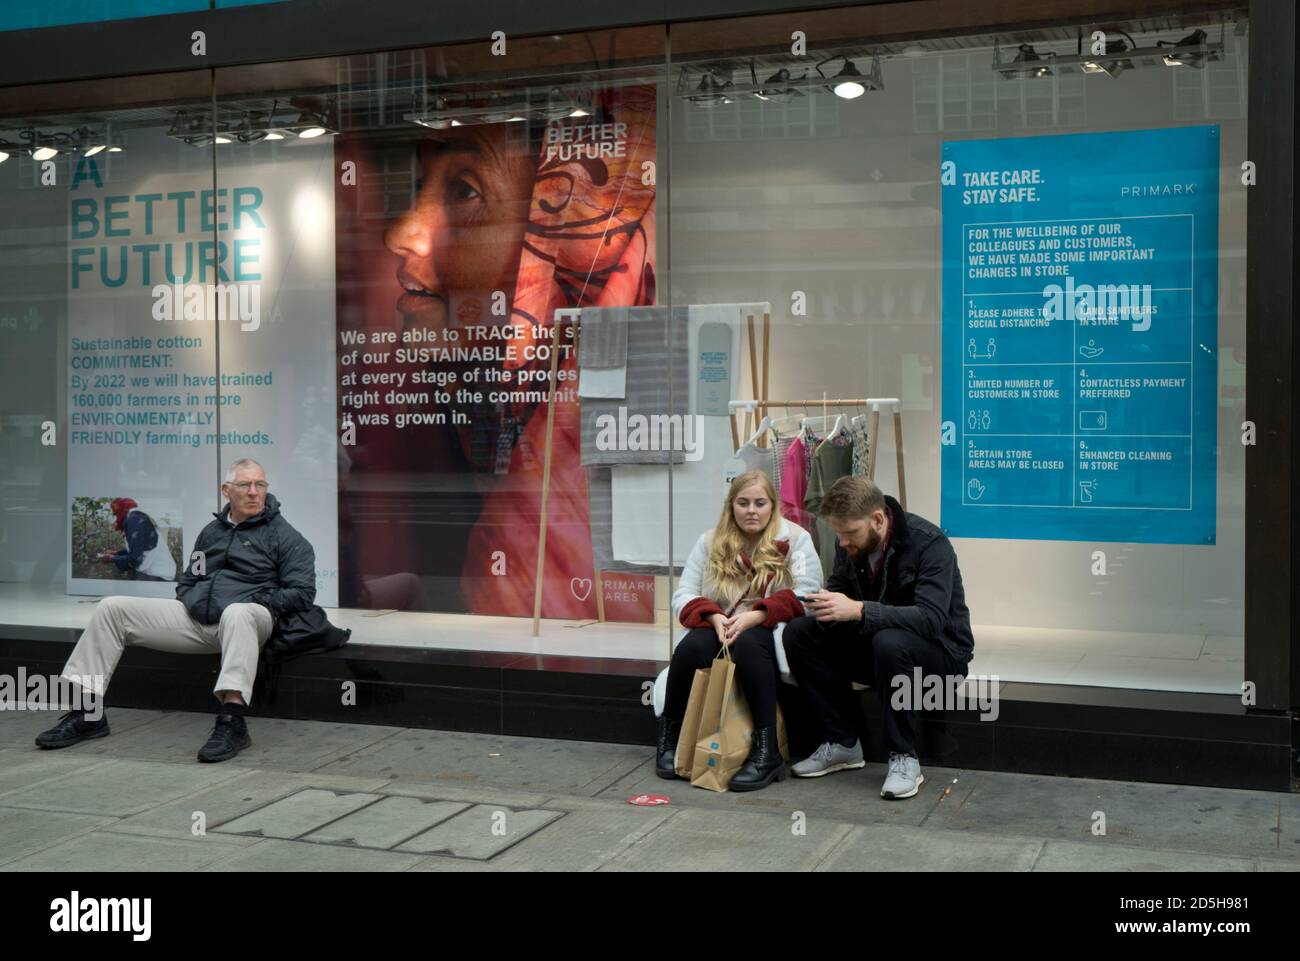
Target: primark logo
point(641, 432)
point(75, 915)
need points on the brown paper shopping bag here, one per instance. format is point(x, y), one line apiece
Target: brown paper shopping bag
point(685, 756)
point(725, 728)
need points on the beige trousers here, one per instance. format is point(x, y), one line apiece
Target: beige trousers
point(165, 625)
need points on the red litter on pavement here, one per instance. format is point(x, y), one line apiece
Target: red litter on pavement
point(648, 800)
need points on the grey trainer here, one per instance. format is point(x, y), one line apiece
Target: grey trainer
point(829, 758)
point(904, 777)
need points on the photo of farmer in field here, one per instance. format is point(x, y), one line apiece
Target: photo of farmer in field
point(116, 539)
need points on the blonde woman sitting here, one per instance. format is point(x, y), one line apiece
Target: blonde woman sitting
point(740, 586)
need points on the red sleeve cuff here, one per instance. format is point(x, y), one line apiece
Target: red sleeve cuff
point(781, 607)
point(697, 612)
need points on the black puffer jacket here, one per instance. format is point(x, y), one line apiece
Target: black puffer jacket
point(919, 589)
point(262, 561)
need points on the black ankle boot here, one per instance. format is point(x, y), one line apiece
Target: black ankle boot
point(666, 748)
point(764, 764)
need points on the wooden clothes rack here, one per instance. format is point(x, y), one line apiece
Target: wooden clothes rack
point(875, 403)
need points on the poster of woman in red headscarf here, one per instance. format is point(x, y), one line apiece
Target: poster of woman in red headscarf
point(455, 248)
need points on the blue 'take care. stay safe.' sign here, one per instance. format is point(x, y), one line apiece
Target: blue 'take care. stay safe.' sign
point(1080, 286)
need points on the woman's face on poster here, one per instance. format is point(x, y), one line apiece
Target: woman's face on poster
point(461, 240)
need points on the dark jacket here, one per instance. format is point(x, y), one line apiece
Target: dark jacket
point(141, 536)
point(261, 561)
point(919, 588)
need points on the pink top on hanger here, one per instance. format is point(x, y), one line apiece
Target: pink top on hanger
point(794, 484)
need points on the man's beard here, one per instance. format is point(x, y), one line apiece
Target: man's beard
point(874, 540)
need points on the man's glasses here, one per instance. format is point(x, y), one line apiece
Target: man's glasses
point(246, 486)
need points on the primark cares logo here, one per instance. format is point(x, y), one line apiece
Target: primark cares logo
point(77, 915)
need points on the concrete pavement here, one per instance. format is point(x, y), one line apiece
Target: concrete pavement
point(319, 796)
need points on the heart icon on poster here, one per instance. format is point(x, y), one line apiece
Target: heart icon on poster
point(582, 584)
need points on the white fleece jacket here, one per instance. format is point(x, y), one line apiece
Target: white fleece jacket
point(805, 567)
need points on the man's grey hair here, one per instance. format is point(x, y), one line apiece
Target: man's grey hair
point(239, 465)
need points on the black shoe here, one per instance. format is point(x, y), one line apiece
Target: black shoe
point(229, 736)
point(666, 748)
point(72, 729)
point(764, 764)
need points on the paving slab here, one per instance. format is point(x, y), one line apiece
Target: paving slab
point(106, 851)
point(21, 769)
point(451, 790)
point(247, 791)
point(480, 832)
point(24, 832)
point(1263, 865)
point(119, 788)
point(277, 855)
point(589, 836)
point(1103, 855)
point(897, 847)
point(1174, 817)
point(18, 729)
point(386, 823)
point(529, 764)
point(846, 796)
point(696, 840)
point(300, 813)
point(277, 743)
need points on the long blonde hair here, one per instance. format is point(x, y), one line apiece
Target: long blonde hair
point(724, 574)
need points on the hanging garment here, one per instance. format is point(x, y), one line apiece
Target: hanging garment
point(794, 482)
point(832, 460)
point(810, 441)
point(780, 447)
point(650, 367)
point(861, 437)
point(602, 352)
point(639, 492)
point(758, 458)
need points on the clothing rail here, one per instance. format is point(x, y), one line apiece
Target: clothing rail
point(875, 403)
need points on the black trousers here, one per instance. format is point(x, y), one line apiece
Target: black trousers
point(826, 659)
point(754, 652)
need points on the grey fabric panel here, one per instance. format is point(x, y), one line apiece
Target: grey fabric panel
point(603, 340)
point(600, 507)
point(650, 364)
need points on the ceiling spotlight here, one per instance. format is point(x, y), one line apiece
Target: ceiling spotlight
point(3, 156)
point(1178, 56)
point(273, 135)
point(1027, 63)
point(97, 148)
point(115, 149)
point(43, 153)
point(710, 93)
point(312, 124)
point(221, 138)
point(579, 112)
point(850, 83)
point(777, 87)
point(1108, 63)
